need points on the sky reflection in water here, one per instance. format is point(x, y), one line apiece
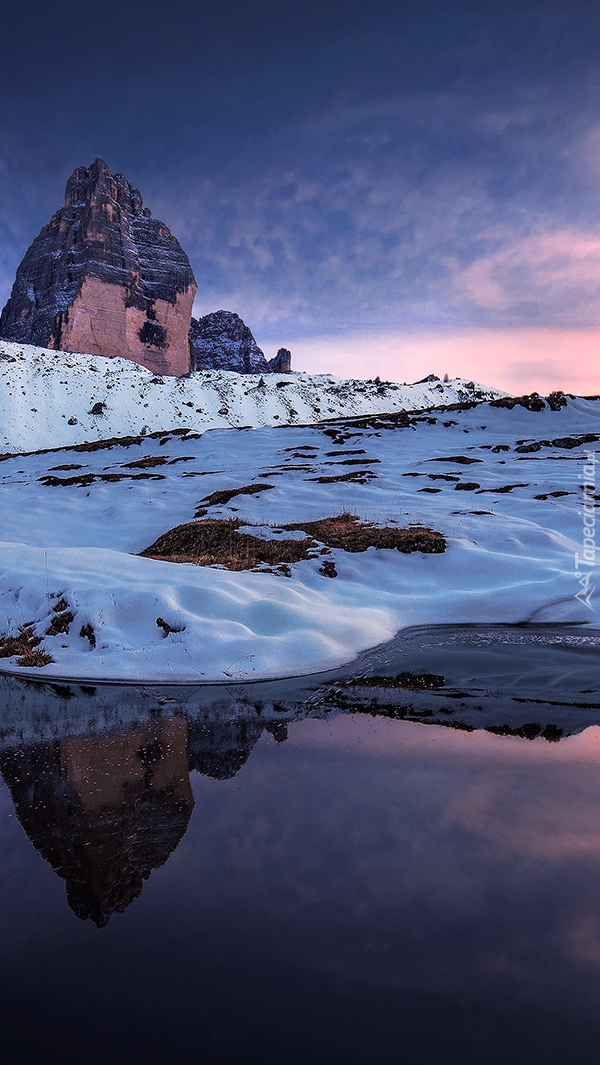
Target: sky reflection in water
point(347, 890)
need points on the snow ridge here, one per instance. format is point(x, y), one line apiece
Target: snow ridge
point(52, 399)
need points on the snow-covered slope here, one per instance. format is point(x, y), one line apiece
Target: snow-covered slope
point(505, 487)
point(54, 399)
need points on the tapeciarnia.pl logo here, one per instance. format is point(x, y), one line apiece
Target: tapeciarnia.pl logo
point(585, 563)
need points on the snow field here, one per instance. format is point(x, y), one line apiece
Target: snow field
point(509, 558)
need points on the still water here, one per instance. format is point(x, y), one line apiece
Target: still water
point(310, 872)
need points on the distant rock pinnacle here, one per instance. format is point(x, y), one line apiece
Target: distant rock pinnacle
point(222, 341)
point(105, 278)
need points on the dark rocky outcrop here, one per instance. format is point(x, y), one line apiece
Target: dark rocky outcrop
point(105, 278)
point(222, 341)
point(282, 362)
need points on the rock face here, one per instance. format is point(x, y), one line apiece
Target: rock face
point(105, 278)
point(282, 363)
point(222, 341)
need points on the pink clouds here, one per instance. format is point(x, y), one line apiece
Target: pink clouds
point(517, 361)
point(558, 270)
point(551, 277)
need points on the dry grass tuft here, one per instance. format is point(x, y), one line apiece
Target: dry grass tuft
point(36, 658)
point(27, 646)
point(60, 622)
point(87, 633)
point(164, 625)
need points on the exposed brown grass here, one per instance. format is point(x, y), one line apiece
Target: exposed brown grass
point(163, 436)
point(85, 479)
point(351, 451)
point(353, 462)
point(87, 633)
point(220, 498)
point(327, 568)
point(503, 489)
point(25, 645)
point(106, 445)
point(340, 431)
point(167, 628)
point(35, 659)
point(356, 476)
point(60, 623)
point(20, 644)
point(462, 460)
point(347, 532)
point(146, 463)
point(533, 402)
point(218, 542)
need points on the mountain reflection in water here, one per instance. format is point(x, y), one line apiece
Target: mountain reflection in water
point(100, 776)
point(106, 811)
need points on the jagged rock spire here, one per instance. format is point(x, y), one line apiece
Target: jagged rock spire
point(106, 278)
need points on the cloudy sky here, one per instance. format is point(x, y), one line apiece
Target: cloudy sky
point(384, 187)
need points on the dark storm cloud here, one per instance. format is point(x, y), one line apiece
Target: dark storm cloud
point(328, 166)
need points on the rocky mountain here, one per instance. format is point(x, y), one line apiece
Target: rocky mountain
point(105, 278)
point(222, 341)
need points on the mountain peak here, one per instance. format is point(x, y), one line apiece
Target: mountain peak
point(105, 278)
point(97, 184)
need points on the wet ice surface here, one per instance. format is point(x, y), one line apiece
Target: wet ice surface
point(291, 872)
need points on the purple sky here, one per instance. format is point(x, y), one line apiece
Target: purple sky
point(384, 187)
